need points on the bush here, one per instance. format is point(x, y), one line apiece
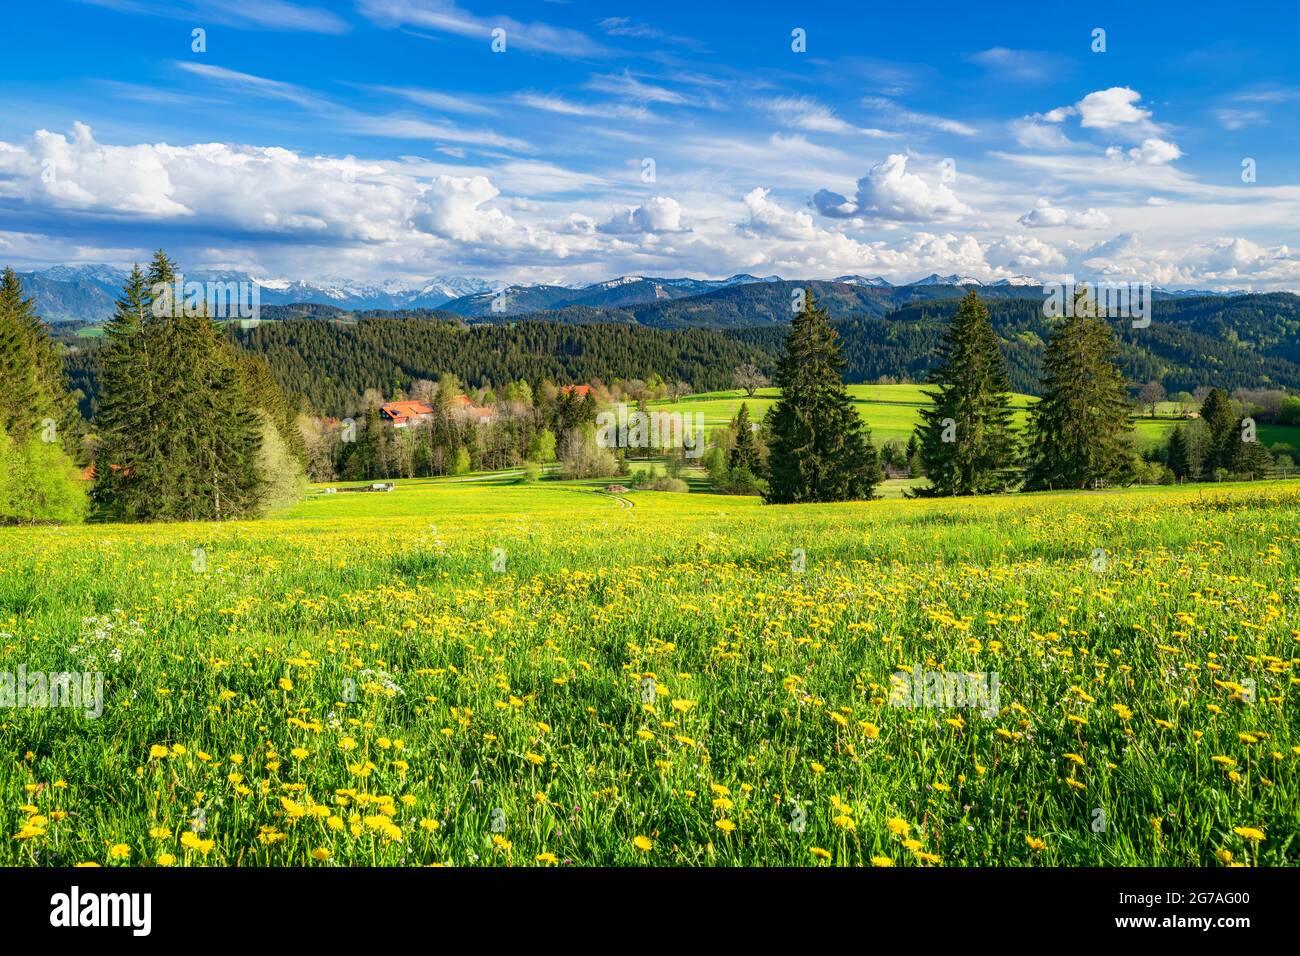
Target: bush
point(532, 472)
point(663, 483)
point(38, 483)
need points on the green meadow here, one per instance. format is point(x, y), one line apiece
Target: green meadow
point(482, 672)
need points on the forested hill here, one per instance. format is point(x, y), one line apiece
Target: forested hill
point(332, 363)
point(1249, 341)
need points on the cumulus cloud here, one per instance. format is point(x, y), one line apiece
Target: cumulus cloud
point(890, 192)
point(1151, 152)
point(1107, 109)
point(1045, 216)
point(660, 214)
point(770, 219)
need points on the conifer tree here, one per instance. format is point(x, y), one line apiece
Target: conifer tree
point(1079, 432)
point(1221, 419)
point(915, 468)
point(744, 453)
point(1178, 455)
point(179, 426)
point(820, 448)
point(966, 441)
point(38, 477)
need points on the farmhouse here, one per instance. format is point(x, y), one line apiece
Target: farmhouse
point(582, 391)
point(401, 414)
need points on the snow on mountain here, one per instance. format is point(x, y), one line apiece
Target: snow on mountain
point(874, 282)
point(1016, 280)
point(935, 279)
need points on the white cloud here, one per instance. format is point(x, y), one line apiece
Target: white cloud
point(889, 192)
point(1036, 135)
point(445, 16)
point(1045, 216)
point(278, 15)
point(1154, 152)
point(1111, 108)
point(803, 112)
point(660, 214)
point(768, 218)
point(899, 115)
point(629, 87)
point(1023, 65)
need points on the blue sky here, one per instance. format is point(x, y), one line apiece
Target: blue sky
point(385, 139)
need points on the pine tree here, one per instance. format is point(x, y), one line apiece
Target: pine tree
point(820, 448)
point(1221, 418)
point(1177, 454)
point(40, 481)
point(180, 429)
point(966, 442)
point(1252, 460)
point(1079, 432)
point(23, 402)
point(915, 467)
point(744, 453)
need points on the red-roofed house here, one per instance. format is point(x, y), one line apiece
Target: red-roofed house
point(401, 414)
point(582, 391)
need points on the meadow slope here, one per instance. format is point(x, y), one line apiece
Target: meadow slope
point(488, 673)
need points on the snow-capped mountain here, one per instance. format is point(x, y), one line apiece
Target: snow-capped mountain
point(87, 292)
point(935, 279)
point(1016, 280)
point(874, 282)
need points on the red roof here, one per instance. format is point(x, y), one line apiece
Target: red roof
point(399, 413)
point(581, 390)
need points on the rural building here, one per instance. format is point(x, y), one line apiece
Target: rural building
point(401, 414)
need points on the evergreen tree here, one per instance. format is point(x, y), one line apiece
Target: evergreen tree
point(744, 453)
point(1080, 433)
point(1221, 418)
point(1177, 455)
point(180, 429)
point(966, 442)
point(820, 448)
point(915, 467)
point(1252, 460)
point(21, 403)
point(39, 480)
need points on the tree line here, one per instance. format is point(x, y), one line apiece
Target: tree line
point(814, 447)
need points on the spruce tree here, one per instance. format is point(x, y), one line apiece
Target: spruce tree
point(820, 448)
point(744, 453)
point(40, 481)
point(1079, 431)
point(966, 441)
point(23, 402)
point(915, 467)
point(1177, 455)
point(180, 428)
point(1221, 418)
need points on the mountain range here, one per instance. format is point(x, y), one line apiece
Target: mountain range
point(86, 293)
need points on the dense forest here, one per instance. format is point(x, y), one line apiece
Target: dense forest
point(1240, 342)
point(332, 363)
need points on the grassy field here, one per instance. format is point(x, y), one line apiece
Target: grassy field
point(481, 672)
point(892, 411)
